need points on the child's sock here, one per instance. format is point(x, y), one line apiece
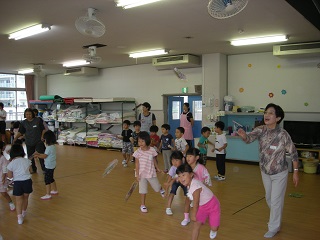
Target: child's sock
point(186, 215)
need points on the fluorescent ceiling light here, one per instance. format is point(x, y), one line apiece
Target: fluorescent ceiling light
point(259, 40)
point(27, 32)
point(25, 71)
point(134, 3)
point(75, 63)
point(148, 53)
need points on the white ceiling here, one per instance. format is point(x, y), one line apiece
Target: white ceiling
point(164, 24)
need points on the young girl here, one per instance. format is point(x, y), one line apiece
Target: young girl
point(146, 167)
point(205, 203)
point(200, 171)
point(50, 164)
point(172, 181)
point(18, 169)
point(3, 178)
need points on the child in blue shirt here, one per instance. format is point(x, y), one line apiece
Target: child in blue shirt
point(50, 163)
point(166, 144)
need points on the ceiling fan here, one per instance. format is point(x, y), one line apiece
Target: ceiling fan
point(222, 9)
point(89, 25)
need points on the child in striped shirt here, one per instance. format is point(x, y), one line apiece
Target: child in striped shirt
point(146, 167)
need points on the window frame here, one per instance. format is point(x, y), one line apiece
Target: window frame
point(17, 114)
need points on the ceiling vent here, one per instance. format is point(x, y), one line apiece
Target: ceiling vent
point(81, 71)
point(178, 61)
point(312, 48)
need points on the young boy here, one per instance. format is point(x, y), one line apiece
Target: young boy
point(134, 137)
point(155, 139)
point(176, 160)
point(166, 144)
point(127, 148)
point(203, 144)
point(220, 146)
point(180, 143)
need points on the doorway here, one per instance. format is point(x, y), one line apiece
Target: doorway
point(173, 105)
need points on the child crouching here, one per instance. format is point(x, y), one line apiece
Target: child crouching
point(205, 203)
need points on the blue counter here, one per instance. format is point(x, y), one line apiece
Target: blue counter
point(239, 150)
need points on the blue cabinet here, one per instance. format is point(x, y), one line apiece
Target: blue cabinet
point(237, 149)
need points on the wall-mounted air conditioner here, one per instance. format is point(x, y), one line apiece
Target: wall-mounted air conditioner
point(178, 61)
point(311, 48)
point(81, 71)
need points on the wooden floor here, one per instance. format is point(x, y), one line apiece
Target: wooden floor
point(91, 207)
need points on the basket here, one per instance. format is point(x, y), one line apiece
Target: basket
point(310, 165)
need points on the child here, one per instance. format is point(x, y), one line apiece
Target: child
point(18, 169)
point(220, 146)
point(50, 163)
point(146, 166)
point(134, 138)
point(180, 143)
point(176, 160)
point(203, 144)
point(155, 139)
point(200, 171)
point(205, 203)
point(16, 126)
point(166, 144)
point(127, 148)
point(3, 178)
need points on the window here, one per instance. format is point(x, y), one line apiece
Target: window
point(197, 110)
point(176, 106)
point(13, 95)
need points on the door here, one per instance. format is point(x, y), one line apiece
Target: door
point(195, 103)
point(174, 111)
point(175, 104)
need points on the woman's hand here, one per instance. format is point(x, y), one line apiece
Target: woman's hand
point(242, 133)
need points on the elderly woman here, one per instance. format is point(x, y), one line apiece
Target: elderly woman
point(33, 129)
point(274, 143)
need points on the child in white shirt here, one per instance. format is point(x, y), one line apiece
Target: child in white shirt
point(18, 169)
point(3, 178)
point(220, 150)
point(180, 143)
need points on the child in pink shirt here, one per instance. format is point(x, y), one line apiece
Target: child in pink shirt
point(200, 171)
point(146, 167)
point(205, 203)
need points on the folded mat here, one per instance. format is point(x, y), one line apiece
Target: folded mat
point(50, 97)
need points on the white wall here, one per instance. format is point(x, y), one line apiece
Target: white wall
point(143, 82)
point(262, 73)
point(299, 77)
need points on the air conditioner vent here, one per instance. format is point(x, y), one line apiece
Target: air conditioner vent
point(178, 61)
point(73, 70)
point(81, 71)
point(298, 48)
point(169, 59)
